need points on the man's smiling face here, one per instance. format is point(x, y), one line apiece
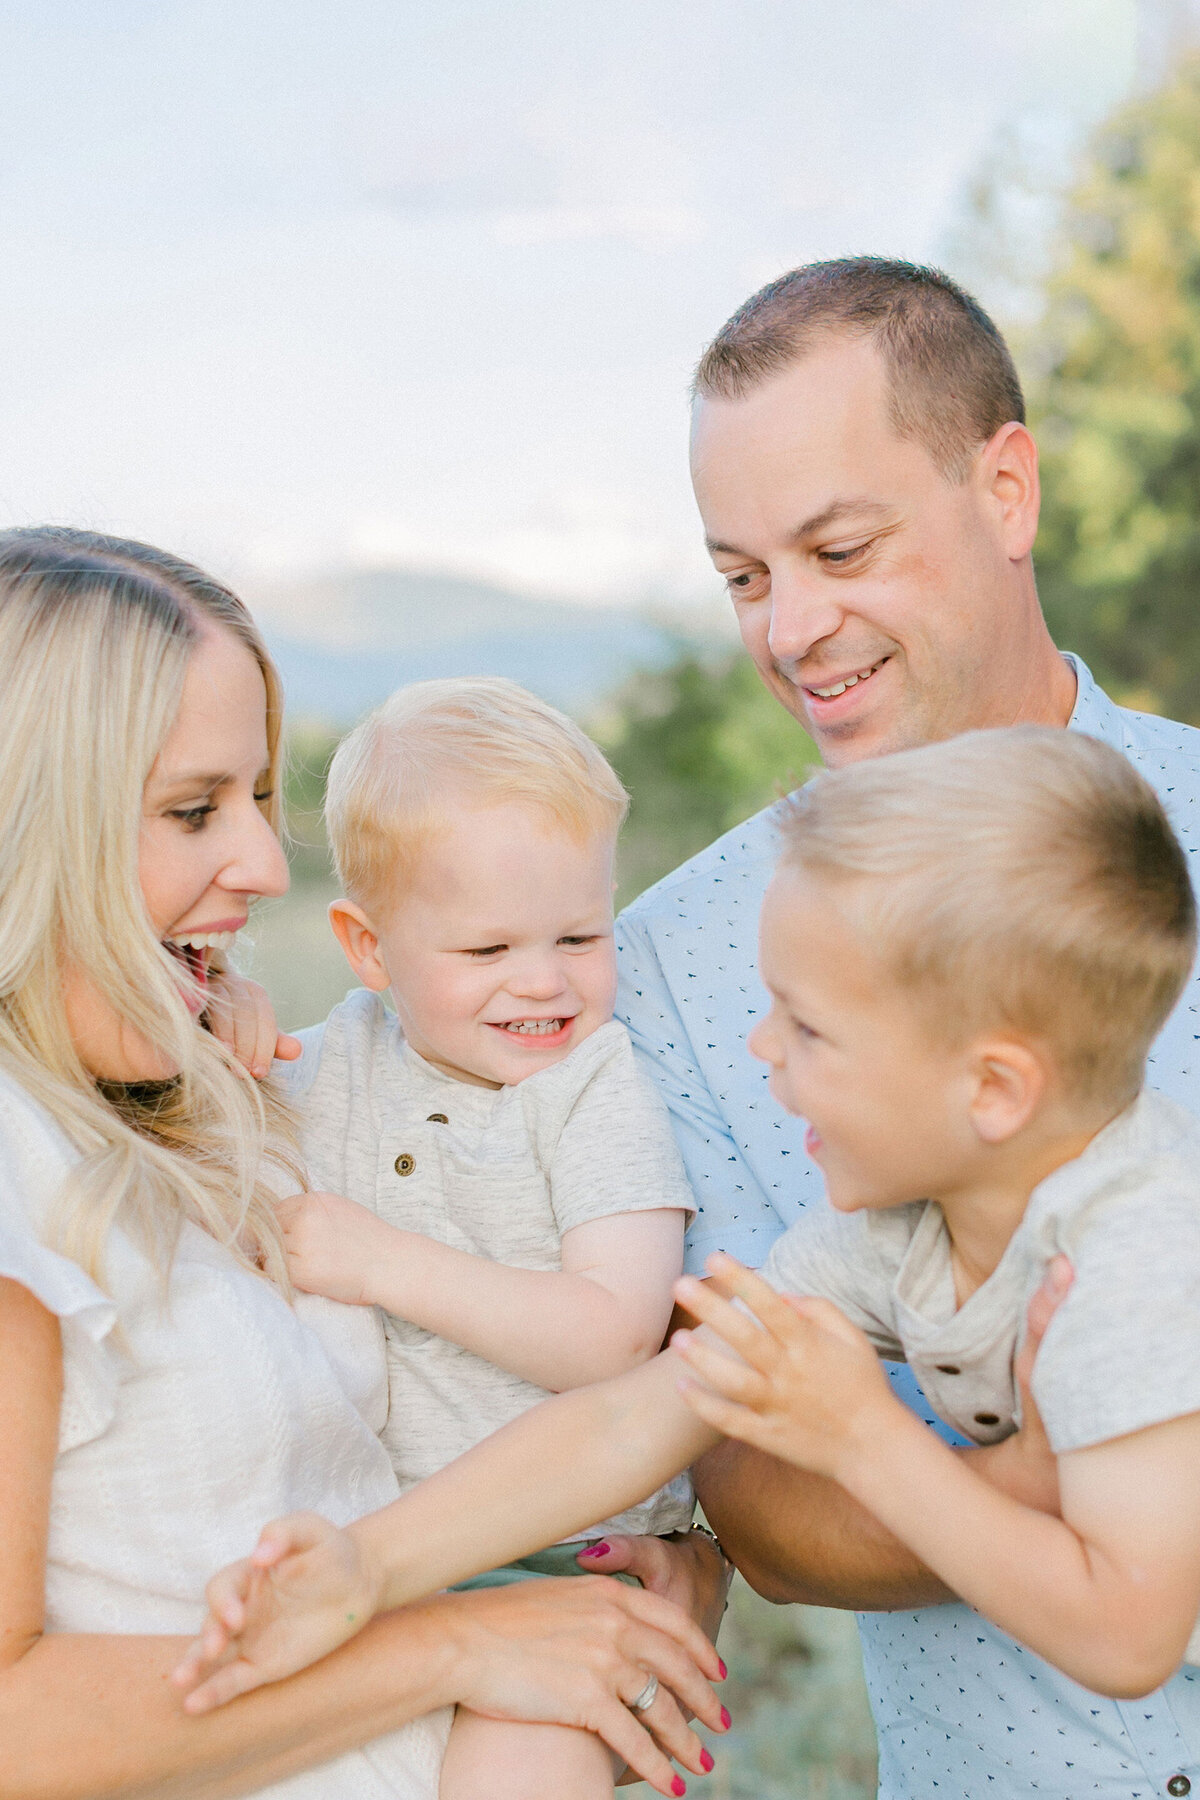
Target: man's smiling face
point(875, 596)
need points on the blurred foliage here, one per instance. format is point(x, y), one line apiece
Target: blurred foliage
point(1114, 368)
point(700, 746)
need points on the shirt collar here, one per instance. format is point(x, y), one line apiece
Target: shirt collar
point(1093, 712)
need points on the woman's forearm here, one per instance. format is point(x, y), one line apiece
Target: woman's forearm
point(95, 1718)
point(595, 1451)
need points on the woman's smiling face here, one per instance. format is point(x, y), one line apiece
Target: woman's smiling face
point(206, 848)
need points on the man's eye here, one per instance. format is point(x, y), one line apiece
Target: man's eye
point(193, 816)
point(744, 582)
point(839, 558)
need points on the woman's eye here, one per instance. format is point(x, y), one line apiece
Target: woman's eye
point(267, 795)
point(193, 817)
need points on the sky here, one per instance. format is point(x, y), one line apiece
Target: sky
point(311, 286)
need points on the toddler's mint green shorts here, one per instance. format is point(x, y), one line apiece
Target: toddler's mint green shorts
point(558, 1560)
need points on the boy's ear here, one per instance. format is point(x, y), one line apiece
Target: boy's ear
point(360, 944)
point(1009, 1082)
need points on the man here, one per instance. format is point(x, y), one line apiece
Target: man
point(870, 494)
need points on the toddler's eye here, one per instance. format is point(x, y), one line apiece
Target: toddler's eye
point(575, 942)
point(486, 950)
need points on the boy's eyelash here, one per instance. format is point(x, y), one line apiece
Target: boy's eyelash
point(486, 950)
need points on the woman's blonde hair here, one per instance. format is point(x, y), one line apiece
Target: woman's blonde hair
point(480, 738)
point(1023, 878)
point(95, 637)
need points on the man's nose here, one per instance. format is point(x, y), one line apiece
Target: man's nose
point(803, 613)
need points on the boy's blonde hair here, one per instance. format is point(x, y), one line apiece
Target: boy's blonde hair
point(1024, 879)
point(473, 739)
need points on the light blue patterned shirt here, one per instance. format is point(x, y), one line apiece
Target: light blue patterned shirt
point(960, 1709)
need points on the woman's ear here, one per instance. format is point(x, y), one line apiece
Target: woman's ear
point(360, 944)
point(1009, 1082)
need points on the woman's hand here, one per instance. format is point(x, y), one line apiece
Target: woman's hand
point(241, 1017)
point(688, 1569)
point(577, 1652)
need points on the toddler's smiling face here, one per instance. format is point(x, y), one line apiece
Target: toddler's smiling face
point(500, 953)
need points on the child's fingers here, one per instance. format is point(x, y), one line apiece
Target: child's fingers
point(726, 1416)
point(736, 1380)
point(227, 1594)
point(222, 1686)
point(730, 1324)
point(288, 1049)
point(769, 1307)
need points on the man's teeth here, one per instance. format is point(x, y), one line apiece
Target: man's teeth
point(831, 693)
point(204, 940)
point(535, 1027)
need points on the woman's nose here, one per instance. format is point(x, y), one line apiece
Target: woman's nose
point(258, 865)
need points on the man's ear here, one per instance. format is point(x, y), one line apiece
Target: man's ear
point(1009, 468)
point(1009, 1082)
point(360, 944)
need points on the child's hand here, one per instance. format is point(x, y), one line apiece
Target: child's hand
point(304, 1591)
point(241, 1017)
point(333, 1245)
point(805, 1386)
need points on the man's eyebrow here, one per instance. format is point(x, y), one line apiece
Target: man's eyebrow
point(837, 510)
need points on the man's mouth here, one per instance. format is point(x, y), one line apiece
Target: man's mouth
point(836, 688)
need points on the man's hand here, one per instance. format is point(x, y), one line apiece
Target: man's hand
point(333, 1245)
point(805, 1384)
point(241, 1017)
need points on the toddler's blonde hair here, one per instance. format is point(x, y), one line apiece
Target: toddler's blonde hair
point(1024, 879)
point(477, 739)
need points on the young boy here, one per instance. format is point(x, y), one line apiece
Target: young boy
point(504, 1184)
point(969, 948)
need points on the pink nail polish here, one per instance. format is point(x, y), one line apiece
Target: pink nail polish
point(600, 1549)
point(726, 1718)
point(679, 1785)
point(706, 1761)
point(721, 1666)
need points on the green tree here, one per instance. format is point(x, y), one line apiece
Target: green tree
point(700, 746)
point(1115, 383)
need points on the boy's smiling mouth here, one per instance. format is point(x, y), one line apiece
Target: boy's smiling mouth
point(539, 1029)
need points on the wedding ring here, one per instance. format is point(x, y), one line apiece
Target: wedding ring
point(646, 1697)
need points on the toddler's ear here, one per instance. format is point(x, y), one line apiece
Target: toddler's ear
point(1010, 1080)
point(360, 944)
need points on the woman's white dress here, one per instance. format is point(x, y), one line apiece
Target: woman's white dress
point(220, 1409)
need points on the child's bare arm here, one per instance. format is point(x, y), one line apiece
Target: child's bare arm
point(1109, 1592)
point(604, 1312)
point(308, 1587)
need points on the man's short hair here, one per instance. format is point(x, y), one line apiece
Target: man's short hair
point(1023, 879)
point(475, 741)
point(951, 380)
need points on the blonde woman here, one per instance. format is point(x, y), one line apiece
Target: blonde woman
point(160, 1394)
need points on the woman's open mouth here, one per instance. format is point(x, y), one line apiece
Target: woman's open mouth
point(191, 949)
